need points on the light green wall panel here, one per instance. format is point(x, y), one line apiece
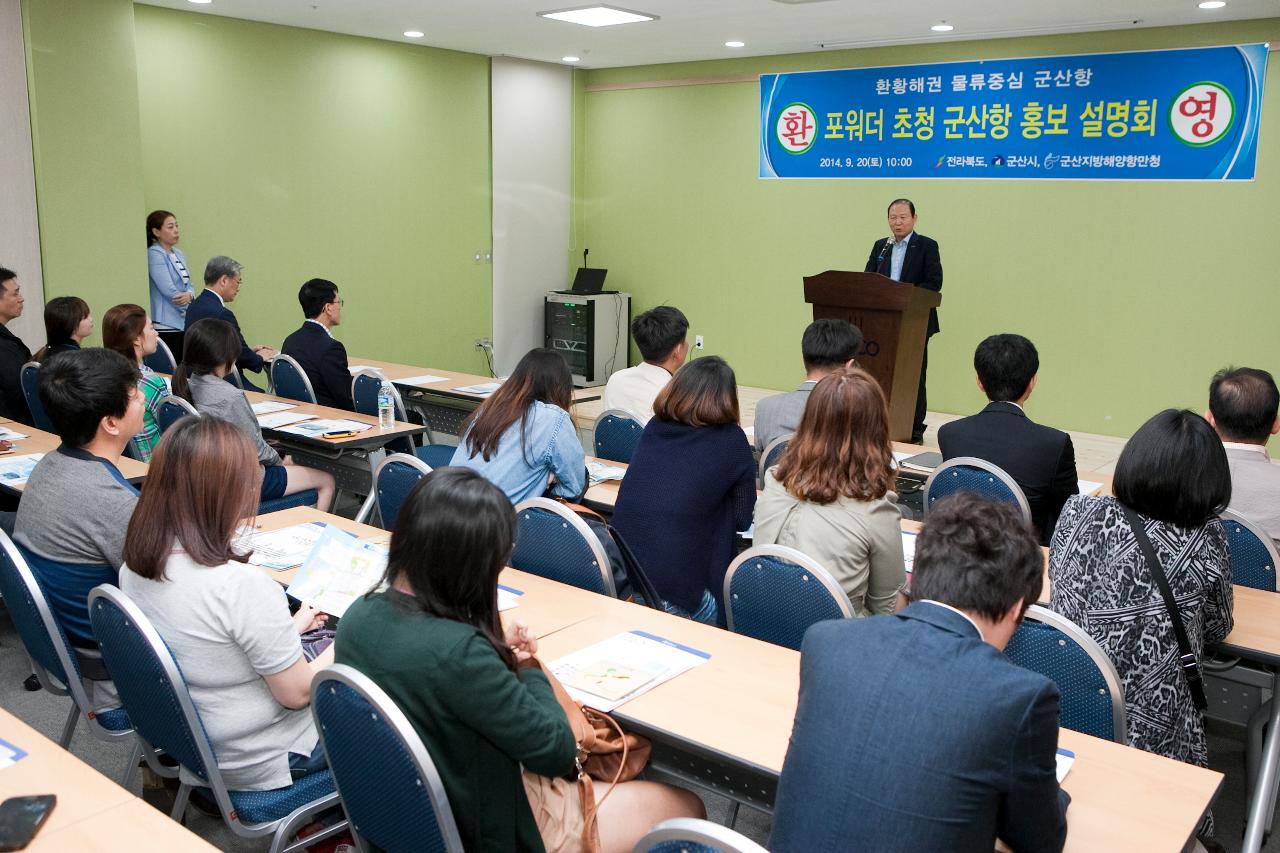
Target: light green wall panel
point(1133, 292)
point(306, 154)
point(84, 117)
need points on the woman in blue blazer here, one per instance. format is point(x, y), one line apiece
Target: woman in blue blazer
point(167, 267)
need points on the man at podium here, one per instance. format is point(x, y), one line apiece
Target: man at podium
point(911, 258)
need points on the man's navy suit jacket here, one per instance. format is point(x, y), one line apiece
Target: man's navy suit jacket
point(207, 305)
point(325, 361)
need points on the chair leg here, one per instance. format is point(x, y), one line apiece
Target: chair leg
point(180, 802)
point(733, 813)
point(131, 766)
point(1256, 729)
point(69, 727)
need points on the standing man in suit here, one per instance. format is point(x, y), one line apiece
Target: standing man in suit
point(827, 346)
point(13, 352)
point(1244, 409)
point(313, 346)
point(1040, 459)
point(222, 277)
point(913, 731)
point(912, 258)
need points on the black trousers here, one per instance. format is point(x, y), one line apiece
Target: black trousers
point(921, 404)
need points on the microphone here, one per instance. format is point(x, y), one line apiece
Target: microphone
point(584, 256)
point(888, 243)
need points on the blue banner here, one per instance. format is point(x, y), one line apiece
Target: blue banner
point(1153, 115)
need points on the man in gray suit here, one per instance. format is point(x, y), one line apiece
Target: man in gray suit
point(827, 346)
point(1243, 408)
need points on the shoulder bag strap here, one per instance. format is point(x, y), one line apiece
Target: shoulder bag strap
point(1186, 657)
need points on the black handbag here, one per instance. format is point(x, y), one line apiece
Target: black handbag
point(1186, 656)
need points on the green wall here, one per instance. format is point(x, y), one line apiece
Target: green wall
point(84, 127)
point(302, 154)
point(1134, 293)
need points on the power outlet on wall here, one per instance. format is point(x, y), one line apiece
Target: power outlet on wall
point(697, 342)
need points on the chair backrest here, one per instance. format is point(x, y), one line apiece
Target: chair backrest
point(617, 433)
point(1057, 648)
point(30, 379)
point(772, 454)
point(774, 593)
point(235, 378)
point(162, 360)
point(45, 641)
point(390, 789)
point(552, 542)
point(1253, 553)
point(393, 479)
point(66, 589)
point(290, 380)
point(690, 835)
point(365, 385)
point(132, 451)
point(970, 474)
point(173, 409)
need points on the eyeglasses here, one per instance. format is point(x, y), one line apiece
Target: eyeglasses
point(339, 302)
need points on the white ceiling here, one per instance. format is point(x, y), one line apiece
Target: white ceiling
point(697, 29)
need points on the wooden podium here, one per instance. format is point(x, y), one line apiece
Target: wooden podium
point(894, 318)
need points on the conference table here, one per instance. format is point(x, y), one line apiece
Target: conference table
point(93, 813)
point(725, 725)
point(39, 441)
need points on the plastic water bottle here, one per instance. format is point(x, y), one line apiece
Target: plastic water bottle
point(386, 406)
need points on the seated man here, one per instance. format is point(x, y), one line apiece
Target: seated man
point(76, 505)
point(313, 346)
point(1243, 408)
point(660, 335)
point(913, 731)
point(827, 346)
point(13, 352)
point(222, 278)
point(1040, 459)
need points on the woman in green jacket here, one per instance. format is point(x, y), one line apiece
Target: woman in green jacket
point(482, 706)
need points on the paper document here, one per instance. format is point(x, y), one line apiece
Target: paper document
point(10, 754)
point(16, 470)
point(317, 428)
point(908, 549)
point(274, 420)
point(266, 407)
point(599, 471)
point(424, 379)
point(1065, 759)
point(606, 674)
point(9, 435)
point(339, 569)
point(508, 597)
point(751, 432)
point(281, 549)
point(356, 368)
point(484, 389)
point(1088, 487)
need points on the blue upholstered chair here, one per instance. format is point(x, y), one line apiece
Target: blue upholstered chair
point(173, 409)
point(969, 474)
point(553, 542)
point(393, 479)
point(153, 690)
point(30, 379)
point(774, 593)
point(771, 454)
point(1253, 553)
point(364, 398)
point(162, 360)
point(1055, 647)
point(289, 380)
point(690, 835)
point(56, 664)
point(616, 435)
point(389, 785)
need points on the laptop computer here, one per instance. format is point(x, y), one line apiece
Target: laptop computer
point(588, 280)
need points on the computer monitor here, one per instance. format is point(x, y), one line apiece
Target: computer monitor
point(589, 280)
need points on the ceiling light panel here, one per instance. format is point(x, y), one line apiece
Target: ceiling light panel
point(598, 16)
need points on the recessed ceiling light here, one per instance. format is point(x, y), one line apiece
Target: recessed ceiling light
point(200, 2)
point(570, 59)
point(1213, 4)
point(942, 28)
point(413, 34)
point(735, 44)
point(598, 16)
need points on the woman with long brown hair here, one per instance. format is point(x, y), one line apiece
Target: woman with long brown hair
point(226, 622)
point(127, 330)
point(829, 496)
point(522, 439)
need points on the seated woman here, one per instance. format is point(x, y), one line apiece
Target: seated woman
point(829, 495)
point(690, 488)
point(127, 330)
point(432, 639)
point(1173, 474)
point(66, 323)
point(210, 350)
point(226, 623)
point(522, 438)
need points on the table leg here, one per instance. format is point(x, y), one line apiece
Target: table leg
point(1264, 792)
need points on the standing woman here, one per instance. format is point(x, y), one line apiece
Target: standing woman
point(127, 330)
point(690, 488)
point(167, 267)
point(67, 322)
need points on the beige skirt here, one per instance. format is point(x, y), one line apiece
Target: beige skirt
point(557, 810)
